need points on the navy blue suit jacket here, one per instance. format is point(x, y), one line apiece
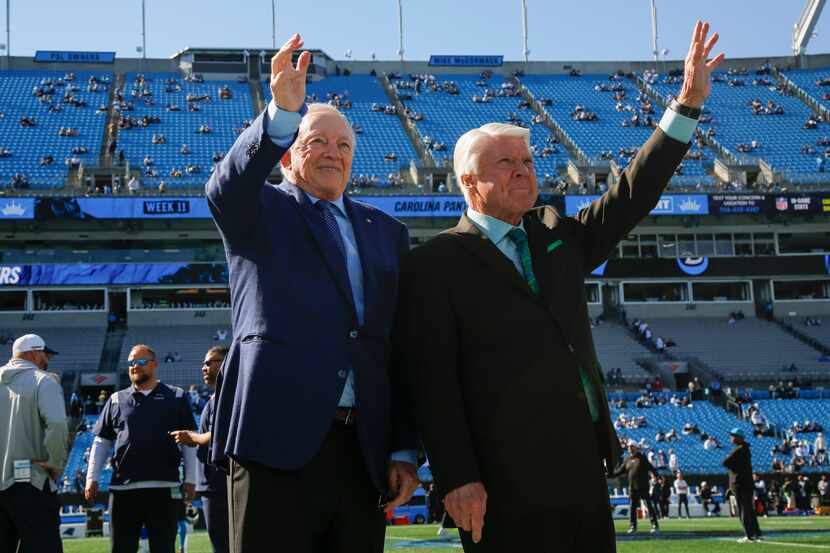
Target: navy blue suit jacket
point(295, 329)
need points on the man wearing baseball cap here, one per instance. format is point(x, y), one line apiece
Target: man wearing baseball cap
point(33, 449)
point(739, 463)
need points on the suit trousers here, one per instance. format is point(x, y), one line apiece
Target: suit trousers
point(746, 512)
point(215, 508)
point(153, 508)
point(328, 506)
point(30, 519)
point(553, 531)
point(635, 499)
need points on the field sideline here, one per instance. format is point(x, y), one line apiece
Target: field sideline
point(784, 534)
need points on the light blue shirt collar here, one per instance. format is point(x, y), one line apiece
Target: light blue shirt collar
point(338, 202)
point(494, 229)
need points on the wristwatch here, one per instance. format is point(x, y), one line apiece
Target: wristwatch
point(686, 111)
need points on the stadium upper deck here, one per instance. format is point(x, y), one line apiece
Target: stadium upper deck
point(586, 121)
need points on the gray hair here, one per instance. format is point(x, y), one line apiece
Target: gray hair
point(321, 107)
point(465, 157)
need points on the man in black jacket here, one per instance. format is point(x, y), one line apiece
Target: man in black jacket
point(637, 468)
point(739, 464)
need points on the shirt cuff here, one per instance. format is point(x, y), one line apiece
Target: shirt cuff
point(677, 126)
point(406, 456)
point(282, 125)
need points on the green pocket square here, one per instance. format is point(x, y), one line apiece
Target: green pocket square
point(553, 245)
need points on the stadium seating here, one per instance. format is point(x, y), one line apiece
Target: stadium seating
point(380, 134)
point(692, 457)
point(818, 333)
point(190, 342)
point(808, 80)
point(78, 348)
point(448, 116)
point(224, 117)
point(617, 349)
point(606, 132)
point(751, 349)
point(780, 137)
point(30, 144)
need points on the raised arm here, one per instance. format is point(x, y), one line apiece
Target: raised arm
point(233, 190)
point(612, 216)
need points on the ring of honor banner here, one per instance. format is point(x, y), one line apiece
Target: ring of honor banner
point(420, 206)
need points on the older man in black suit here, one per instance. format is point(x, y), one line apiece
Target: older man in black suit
point(493, 328)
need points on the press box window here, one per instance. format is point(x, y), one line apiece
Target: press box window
point(14, 300)
point(801, 289)
point(720, 291)
point(655, 292)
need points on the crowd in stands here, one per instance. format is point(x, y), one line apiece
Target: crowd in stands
point(647, 337)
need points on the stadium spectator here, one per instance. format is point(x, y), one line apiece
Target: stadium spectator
point(184, 150)
point(33, 440)
point(145, 486)
point(637, 468)
point(163, 185)
point(674, 464)
point(211, 482)
point(681, 490)
point(48, 159)
point(739, 464)
point(303, 442)
point(27, 122)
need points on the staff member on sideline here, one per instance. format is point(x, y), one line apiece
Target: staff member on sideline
point(637, 468)
point(33, 444)
point(739, 463)
point(145, 485)
point(211, 483)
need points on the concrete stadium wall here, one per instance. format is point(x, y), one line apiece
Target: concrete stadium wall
point(33, 321)
point(214, 318)
point(682, 310)
point(814, 308)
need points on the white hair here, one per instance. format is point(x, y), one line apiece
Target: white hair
point(320, 107)
point(465, 157)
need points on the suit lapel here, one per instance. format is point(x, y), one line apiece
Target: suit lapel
point(478, 243)
point(368, 247)
point(328, 248)
point(551, 268)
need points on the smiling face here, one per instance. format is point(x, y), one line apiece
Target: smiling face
point(320, 160)
point(503, 184)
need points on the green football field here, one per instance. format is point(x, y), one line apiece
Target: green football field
point(785, 534)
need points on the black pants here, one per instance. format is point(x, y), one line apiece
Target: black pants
point(746, 512)
point(328, 506)
point(554, 531)
point(664, 507)
point(682, 499)
point(153, 508)
point(635, 498)
point(215, 508)
point(30, 519)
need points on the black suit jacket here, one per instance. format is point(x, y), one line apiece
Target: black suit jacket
point(637, 468)
point(494, 367)
point(739, 463)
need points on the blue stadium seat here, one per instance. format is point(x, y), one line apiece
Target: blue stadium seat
point(29, 144)
point(381, 134)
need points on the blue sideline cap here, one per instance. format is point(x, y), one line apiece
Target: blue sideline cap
point(737, 432)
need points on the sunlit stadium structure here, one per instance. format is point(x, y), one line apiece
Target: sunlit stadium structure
point(742, 232)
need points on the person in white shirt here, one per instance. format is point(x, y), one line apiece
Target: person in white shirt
point(133, 186)
point(819, 444)
point(681, 489)
point(674, 465)
point(710, 443)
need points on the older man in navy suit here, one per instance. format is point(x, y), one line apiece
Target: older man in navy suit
point(310, 418)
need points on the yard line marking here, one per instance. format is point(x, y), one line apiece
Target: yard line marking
point(788, 544)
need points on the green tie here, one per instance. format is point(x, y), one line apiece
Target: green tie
point(519, 238)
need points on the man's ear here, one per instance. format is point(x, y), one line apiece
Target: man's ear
point(468, 181)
